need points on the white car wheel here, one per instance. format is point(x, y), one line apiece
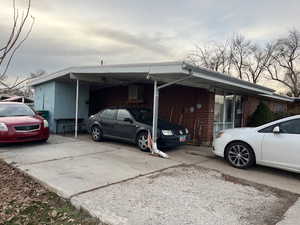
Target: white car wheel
point(240, 155)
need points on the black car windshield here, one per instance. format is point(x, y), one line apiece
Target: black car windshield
point(7, 110)
point(142, 115)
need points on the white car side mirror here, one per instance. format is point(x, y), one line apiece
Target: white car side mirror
point(276, 130)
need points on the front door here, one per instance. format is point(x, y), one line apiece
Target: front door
point(227, 112)
point(125, 126)
point(108, 121)
point(283, 148)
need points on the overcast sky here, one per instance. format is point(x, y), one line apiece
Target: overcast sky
point(80, 32)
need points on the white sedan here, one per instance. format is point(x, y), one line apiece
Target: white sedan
point(276, 144)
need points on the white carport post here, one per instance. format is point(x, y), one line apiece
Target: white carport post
point(76, 110)
point(155, 113)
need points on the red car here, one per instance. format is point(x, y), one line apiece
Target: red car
point(19, 123)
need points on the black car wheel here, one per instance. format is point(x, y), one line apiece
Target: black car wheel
point(96, 133)
point(240, 155)
point(142, 141)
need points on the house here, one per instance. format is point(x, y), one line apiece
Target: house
point(204, 101)
point(18, 99)
point(294, 107)
point(4, 96)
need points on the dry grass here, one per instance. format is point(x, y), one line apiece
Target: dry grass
point(24, 201)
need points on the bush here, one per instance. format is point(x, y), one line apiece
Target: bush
point(262, 115)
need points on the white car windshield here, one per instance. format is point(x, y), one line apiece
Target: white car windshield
point(8, 110)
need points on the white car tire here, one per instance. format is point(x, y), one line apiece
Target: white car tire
point(240, 155)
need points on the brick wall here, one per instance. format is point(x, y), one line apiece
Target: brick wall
point(250, 104)
point(294, 107)
point(190, 107)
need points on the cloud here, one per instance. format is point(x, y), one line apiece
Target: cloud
point(142, 41)
point(76, 32)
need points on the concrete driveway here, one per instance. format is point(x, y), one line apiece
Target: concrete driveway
point(121, 185)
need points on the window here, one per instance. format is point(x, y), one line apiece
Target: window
point(123, 114)
point(238, 111)
point(290, 127)
point(135, 93)
point(229, 101)
point(219, 108)
point(108, 114)
point(279, 107)
point(7, 110)
point(142, 115)
point(268, 129)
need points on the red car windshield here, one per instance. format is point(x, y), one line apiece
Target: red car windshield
point(9, 110)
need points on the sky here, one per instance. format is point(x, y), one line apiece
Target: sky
point(82, 32)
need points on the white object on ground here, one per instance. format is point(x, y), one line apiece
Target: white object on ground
point(153, 147)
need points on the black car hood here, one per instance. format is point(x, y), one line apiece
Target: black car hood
point(165, 125)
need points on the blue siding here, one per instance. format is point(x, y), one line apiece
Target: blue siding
point(60, 99)
point(65, 99)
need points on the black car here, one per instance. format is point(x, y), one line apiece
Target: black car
point(132, 125)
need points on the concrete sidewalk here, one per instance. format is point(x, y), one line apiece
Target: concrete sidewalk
point(116, 182)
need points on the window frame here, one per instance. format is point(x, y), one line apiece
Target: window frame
point(114, 114)
point(277, 124)
point(117, 114)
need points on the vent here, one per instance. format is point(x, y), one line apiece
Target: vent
point(27, 128)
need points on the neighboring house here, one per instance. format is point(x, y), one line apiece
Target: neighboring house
point(202, 100)
point(295, 106)
point(4, 96)
point(26, 100)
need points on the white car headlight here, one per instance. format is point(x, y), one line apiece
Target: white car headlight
point(219, 134)
point(3, 127)
point(186, 131)
point(46, 124)
point(167, 132)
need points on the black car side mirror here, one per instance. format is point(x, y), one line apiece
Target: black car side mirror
point(128, 120)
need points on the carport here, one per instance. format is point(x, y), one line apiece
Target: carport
point(160, 75)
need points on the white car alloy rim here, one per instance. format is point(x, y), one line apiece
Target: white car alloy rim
point(143, 142)
point(95, 133)
point(239, 155)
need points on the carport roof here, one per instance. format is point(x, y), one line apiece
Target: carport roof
point(162, 72)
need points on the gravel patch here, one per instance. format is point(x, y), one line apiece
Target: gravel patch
point(185, 195)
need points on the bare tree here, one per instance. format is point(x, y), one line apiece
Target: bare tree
point(240, 53)
point(257, 61)
point(28, 90)
point(285, 65)
point(237, 57)
point(21, 28)
point(25, 89)
point(214, 57)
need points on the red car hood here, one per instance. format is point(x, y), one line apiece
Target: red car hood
point(16, 120)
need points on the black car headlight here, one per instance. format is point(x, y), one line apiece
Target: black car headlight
point(167, 132)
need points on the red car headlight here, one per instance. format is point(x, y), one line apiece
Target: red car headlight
point(46, 124)
point(3, 127)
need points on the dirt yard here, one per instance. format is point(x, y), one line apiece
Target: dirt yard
point(23, 201)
